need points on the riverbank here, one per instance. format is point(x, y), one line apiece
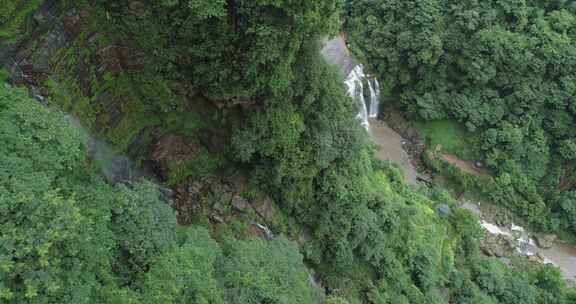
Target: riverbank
point(390, 146)
point(398, 141)
point(506, 238)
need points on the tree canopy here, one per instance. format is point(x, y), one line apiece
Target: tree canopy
point(503, 69)
point(67, 236)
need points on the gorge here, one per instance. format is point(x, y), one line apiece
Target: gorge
point(213, 151)
point(390, 147)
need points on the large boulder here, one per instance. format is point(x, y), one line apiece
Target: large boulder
point(545, 240)
point(265, 208)
point(172, 151)
point(498, 245)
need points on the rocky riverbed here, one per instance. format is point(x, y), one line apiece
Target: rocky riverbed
point(390, 145)
point(505, 239)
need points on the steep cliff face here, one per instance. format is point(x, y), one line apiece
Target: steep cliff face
point(75, 56)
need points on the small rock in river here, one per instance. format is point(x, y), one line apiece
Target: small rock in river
point(545, 240)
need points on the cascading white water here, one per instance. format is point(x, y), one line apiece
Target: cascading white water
point(374, 87)
point(356, 90)
point(113, 167)
point(355, 83)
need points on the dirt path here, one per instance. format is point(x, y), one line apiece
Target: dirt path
point(464, 165)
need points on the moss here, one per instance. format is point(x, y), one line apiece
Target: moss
point(204, 164)
point(145, 98)
point(8, 7)
point(184, 123)
point(135, 119)
point(383, 182)
point(10, 30)
point(59, 94)
point(4, 75)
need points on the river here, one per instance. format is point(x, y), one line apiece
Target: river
point(365, 90)
point(525, 243)
point(391, 147)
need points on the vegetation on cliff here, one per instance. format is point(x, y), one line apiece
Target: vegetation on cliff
point(69, 237)
point(504, 70)
point(66, 236)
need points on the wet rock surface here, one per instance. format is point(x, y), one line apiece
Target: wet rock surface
point(337, 53)
point(80, 61)
point(545, 241)
point(222, 198)
point(504, 239)
point(498, 245)
point(391, 146)
point(172, 151)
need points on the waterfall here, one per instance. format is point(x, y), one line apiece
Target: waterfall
point(113, 167)
point(268, 235)
point(356, 90)
point(355, 83)
point(374, 87)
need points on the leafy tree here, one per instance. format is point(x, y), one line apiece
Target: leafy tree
point(503, 69)
point(254, 271)
point(186, 273)
point(68, 237)
point(52, 248)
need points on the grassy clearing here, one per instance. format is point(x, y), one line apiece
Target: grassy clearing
point(451, 136)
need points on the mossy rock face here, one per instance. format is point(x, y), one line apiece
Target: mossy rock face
point(80, 60)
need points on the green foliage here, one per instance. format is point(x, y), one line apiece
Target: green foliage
point(4, 75)
point(144, 228)
point(256, 271)
point(207, 8)
point(51, 247)
point(8, 7)
point(451, 137)
point(13, 17)
point(234, 50)
point(68, 237)
point(336, 300)
point(202, 165)
point(503, 69)
point(186, 274)
point(568, 149)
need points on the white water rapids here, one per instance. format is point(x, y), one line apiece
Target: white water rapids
point(559, 254)
point(356, 82)
point(390, 147)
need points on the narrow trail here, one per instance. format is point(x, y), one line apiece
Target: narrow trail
point(464, 165)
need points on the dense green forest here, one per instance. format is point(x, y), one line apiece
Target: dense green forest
point(504, 70)
point(253, 71)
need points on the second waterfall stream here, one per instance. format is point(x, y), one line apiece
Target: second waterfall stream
point(355, 81)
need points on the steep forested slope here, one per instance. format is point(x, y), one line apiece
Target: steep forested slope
point(69, 237)
point(252, 71)
point(502, 69)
